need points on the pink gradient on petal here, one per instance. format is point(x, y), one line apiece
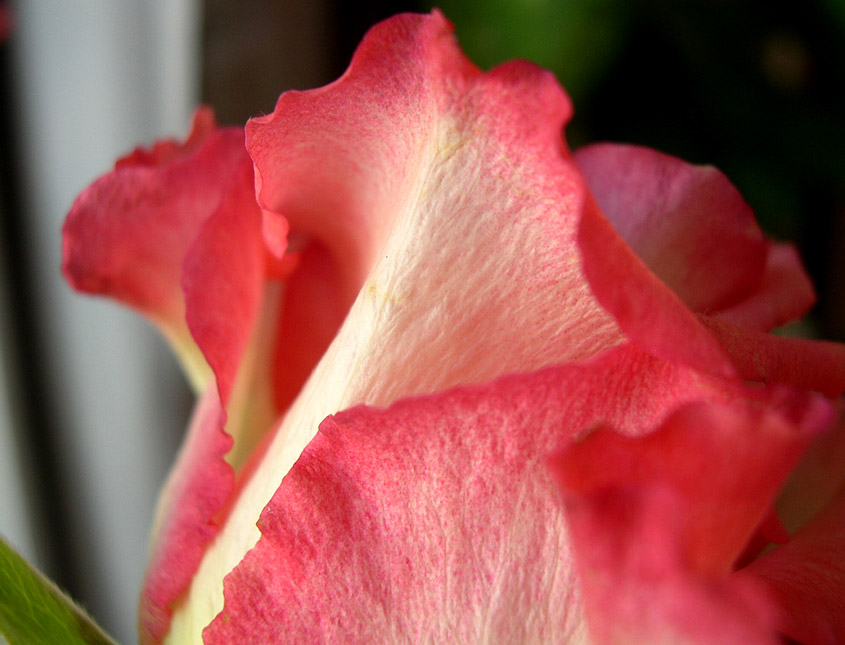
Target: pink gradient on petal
point(434, 519)
point(784, 294)
point(687, 223)
point(653, 536)
point(126, 236)
point(196, 489)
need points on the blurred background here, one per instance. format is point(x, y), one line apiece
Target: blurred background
point(92, 407)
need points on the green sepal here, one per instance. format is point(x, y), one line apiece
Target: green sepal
point(34, 611)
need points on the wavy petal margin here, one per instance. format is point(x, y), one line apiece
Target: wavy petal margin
point(654, 540)
point(127, 235)
point(441, 205)
point(436, 520)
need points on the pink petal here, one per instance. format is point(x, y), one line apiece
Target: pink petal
point(785, 293)
point(196, 490)
point(807, 577)
point(127, 235)
point(435, 519)
point(654, 538)
point(455, 241)
point(437, 207)
point(804, 364)
point(687, 223)
point(223, 278)
point(649, 313)
point(175, 231)
point(406, 171)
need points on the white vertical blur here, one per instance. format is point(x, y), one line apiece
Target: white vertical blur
point(94, 78)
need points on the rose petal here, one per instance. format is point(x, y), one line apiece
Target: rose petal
point(441, 207)
point(647, 310)
point(653, 536)
point(196, 490)
point(687, 223)
point(223, 278)
point(635, 594)
point(801, 363)
point(808, 576)
point(127, 235)
point(422, 178)
point(434, 519)
point(186, 213)
point(785, 293)
point(729, 449)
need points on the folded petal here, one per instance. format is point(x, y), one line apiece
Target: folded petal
point(439, 206)
point(784, 294)
point(805, 364)
point(127, 235)
point(807, 577)
point(653, 537)
point(687, 223)
point(196, 490)
point(435, 520)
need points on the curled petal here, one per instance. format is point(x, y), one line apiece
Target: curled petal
point(196, 490)
point(654, 539)
point(807, 576)
point(127, 235)
point(435, 520)
point(687, 223)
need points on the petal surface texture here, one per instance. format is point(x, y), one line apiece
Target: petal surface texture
point(174, 231)
point(687, 223)
point(653, 537)
point(436, 520)
point(128, 234)
point(694, 231)
point(445, 204)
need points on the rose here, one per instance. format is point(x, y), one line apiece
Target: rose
point(586, 427)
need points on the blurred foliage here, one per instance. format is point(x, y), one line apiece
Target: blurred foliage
point(755, 88)
point(576, 39)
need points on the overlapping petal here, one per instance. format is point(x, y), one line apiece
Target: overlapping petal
point(421, 230)
point(658, 521)
point(197, 488)
point(127, 235)
point(687, 223)
point(175, 231)
point(441, 205)
point(435, 519)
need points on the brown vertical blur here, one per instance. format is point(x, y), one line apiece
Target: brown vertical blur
point(254, 50)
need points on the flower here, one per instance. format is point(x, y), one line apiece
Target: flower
point(457, 383)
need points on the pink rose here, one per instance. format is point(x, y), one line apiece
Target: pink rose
point(458, 384)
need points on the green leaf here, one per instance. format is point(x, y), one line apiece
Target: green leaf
point(34, 611)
